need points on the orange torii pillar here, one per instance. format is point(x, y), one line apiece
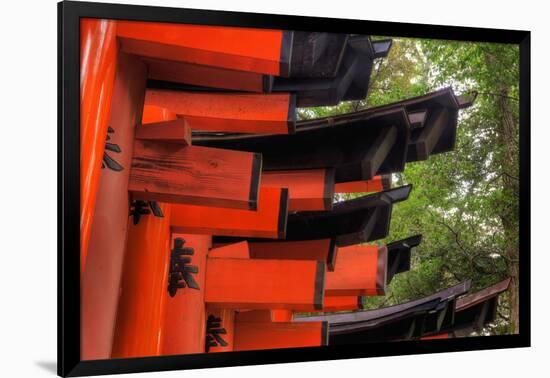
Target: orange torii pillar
point(236, 283)
point(100, 280)
point(308, 190)
point(268, 221)
point(361, 270)
point(143, 291)
point(184, 324)
point(376, 184)
point(220, 330)
point(254, 330)
point(230, 112)
point(263, 51)
point(98, 58)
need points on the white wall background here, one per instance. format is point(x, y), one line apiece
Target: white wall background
point(28, 186)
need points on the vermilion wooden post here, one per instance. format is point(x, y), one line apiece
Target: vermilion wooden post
point(230, 112)
point(308, 190)
point(175, 173)
point(264, 284)
point(264, 51)
point(100, 280)
point(184, 324)
point(361, 270)
point(376, 184)
point(143, 290)
point(220, 330)
point(255, 334)
point(268, 221)
point(319, 250)
point(98, 53)
point(342, 303)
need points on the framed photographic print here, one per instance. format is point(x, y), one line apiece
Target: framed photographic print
point(242, 188)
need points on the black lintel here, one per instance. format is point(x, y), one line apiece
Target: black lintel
point(355, 221)
point(356, 148)
point(399, 255)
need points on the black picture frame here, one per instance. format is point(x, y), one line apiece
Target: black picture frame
point(69, 14)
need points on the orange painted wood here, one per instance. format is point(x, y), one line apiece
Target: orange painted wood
point(361, 270)
point(341, 303)
point(100, 281)
point(264, 284)
point(98, 57)
point(284, 316)
point(268, 221)
point(143, 290)
point(308, 190)
point(207, 76)
point(184, 324)
point(373, 185)
point(254, 316)
point(216, 338)
point(319, 250)
point(273, 315)
point(439, 336)
point(206, 176)
point(255, 335)
point(230, 112)
point(238, 250)
point(154, 114)
point(176, 131)
point(245, 49)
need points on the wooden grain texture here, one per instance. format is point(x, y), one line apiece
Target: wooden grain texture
point(184, 324)
point(264, 284)
point(170, 172)
point(268, 221)
point(308, 190)
point(230, 112)
point(176, 131)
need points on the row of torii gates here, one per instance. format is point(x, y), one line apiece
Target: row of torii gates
point(207, 215)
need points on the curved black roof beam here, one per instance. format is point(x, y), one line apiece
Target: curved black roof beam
point(350, 83)
point(411, 320)
point(364, 316)
point(399, 256)
point(475, 311)
point(349, 222)
point(317, 55)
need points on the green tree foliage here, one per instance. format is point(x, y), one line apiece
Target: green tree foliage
point(465, 202)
